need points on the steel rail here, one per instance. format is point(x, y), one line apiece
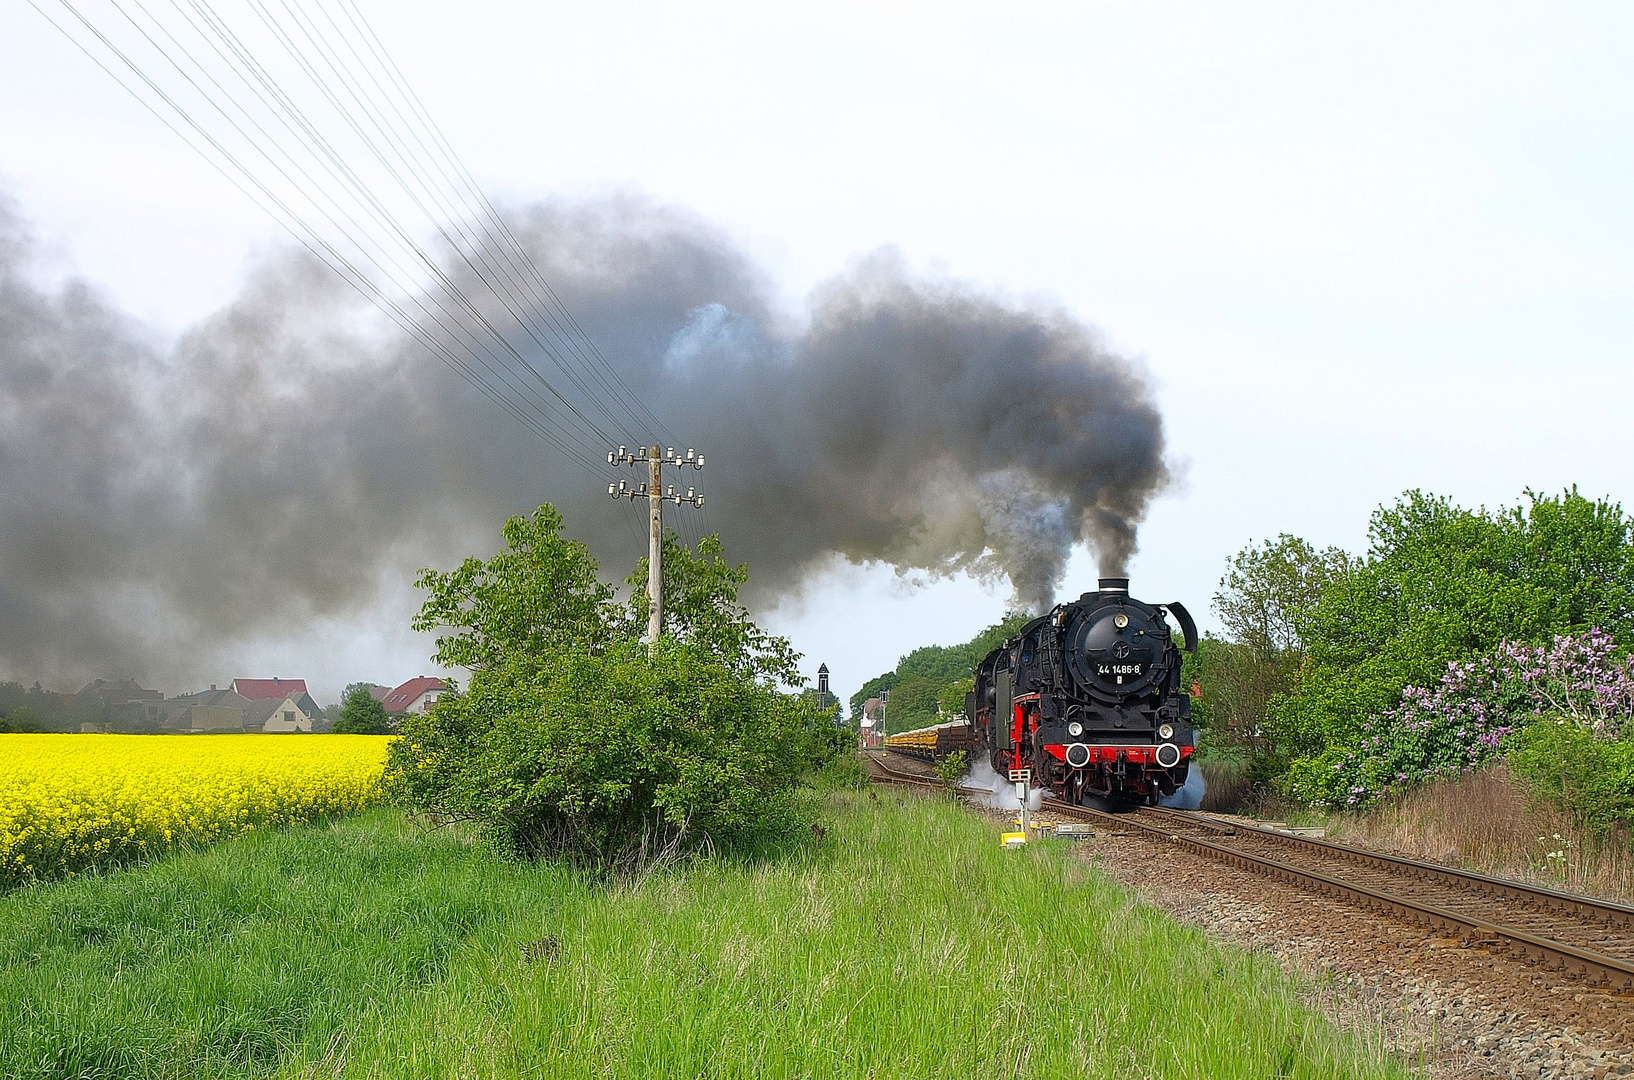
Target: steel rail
point(1604, 912)
point(896, 776)
point(1595, 966)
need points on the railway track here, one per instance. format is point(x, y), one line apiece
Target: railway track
point(882, 773)
point(1574, 933)
point(1578, 934)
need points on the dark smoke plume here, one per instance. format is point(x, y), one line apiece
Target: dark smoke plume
point(285, 462)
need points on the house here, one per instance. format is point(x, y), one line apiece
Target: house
point(115, 692)
point(262, 689)
point(207, 710)
point(117, 705)
point(278, 705)
point(139, 717)
point(292, 712)
point(379, 692)
point(871, 727)
point(415, 696)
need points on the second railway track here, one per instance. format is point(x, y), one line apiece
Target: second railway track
point(1589, 937)
point(1578, 934)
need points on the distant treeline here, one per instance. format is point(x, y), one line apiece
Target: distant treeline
point(928, 685)
point(29, 708)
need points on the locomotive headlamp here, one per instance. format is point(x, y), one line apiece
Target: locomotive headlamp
point(1166, 731)
point(1120, 620)
point(1075, 729)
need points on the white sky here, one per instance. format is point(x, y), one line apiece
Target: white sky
point(1361, 248)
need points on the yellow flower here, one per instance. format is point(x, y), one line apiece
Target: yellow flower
point(70, 802)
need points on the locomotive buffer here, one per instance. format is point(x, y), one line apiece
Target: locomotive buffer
point(653, 492)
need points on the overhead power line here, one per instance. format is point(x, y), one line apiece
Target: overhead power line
point(302, 108)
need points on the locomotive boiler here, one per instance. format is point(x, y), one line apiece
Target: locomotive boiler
point(1089, 698)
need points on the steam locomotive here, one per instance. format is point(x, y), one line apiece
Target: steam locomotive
point(1089, 698)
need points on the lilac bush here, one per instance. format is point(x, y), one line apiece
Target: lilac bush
point(1580, 677)
point(1471, 715)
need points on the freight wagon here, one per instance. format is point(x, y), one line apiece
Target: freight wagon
point(932, 743)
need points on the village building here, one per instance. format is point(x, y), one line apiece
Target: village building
point(115, 692)
point(262, 689)
point(415, 696)
point(279, 706)
point(117, 705)
point(291, 713)
point(871, 726)
point(211, 710)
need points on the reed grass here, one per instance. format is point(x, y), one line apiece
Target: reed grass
point(1226, 787)
point(1488, 821)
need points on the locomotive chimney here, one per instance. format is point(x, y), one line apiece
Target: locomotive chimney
point(1115, 584)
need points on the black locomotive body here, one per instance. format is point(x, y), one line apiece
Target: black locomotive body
point(1089, 698)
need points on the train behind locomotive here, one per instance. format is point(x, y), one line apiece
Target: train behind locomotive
point(1089, 698)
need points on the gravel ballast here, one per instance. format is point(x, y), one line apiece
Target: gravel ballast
point(1456, 1010)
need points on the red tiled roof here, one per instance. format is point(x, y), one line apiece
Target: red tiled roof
point(407, 694)
point(262, 689)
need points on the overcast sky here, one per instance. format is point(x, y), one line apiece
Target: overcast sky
point(1360, 249)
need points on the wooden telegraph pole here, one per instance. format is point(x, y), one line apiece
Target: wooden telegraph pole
point(653, 492)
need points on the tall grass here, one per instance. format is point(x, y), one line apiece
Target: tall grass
point(1226, 787)
point(901, 943)
point(1488, 821)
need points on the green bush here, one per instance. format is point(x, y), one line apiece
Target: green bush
point(575, 740)
point(1591, 779)
point(951, 769)
point(613, 758)
point(1442, 584)
point(843, 772)
point(361, 714)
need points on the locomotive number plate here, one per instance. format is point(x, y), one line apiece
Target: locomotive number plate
point(1117, 669)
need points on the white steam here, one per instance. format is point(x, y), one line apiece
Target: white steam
point(987, 788)
point(1190, 795)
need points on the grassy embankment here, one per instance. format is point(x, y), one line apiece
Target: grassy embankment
point(904, 943)
point(1486, 821)
point(1489, 821)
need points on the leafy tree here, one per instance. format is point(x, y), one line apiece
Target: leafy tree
point(1268, 592)
point(361, 714)
point(1227, 688)
point(614, 758)
point(871, 689)
point(575, 739)
point(1442, 584)
point(701, 608)
point(538, 596)
point(1266, 596)
point(32, 709)
point(935, 673)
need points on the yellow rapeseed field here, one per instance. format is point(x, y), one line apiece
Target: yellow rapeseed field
point(71, 802)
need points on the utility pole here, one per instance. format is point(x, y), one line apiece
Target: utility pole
point(653, 491)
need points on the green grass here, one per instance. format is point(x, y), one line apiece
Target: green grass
point(904, 943)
